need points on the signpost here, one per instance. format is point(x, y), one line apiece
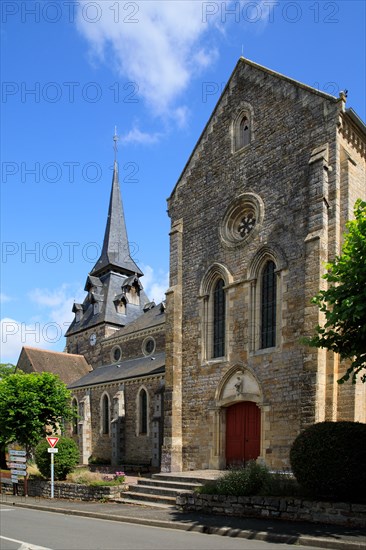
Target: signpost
point(52, 441)
point(18, 468)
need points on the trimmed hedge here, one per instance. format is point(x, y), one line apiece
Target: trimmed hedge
point(64, 461)
point(328, 460)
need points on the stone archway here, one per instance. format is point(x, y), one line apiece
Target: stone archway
point(238, 415)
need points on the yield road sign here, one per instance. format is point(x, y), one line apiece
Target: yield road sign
point(52, 441)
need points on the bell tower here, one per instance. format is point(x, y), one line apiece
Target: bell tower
point(115, 295)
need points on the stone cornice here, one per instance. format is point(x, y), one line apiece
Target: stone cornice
point(118, 383)
point(349, 131)
point(113, 340)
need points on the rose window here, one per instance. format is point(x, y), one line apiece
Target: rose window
point(242, 220)
point(246, 224)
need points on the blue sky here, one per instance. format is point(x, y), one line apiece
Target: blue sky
point(71, 71)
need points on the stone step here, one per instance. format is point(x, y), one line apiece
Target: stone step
point(144, 503)
point(159, 490)
point(179, 485)
point(183, 478)
point(146, 498)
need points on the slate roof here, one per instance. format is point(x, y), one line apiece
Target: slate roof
point(149, 319)
point(131, 368)
point(112, 274)
point(115, 253)
point(68, 366)
point(112, 285)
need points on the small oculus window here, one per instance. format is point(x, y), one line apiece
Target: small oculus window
point(116, 354)
point(148, 346)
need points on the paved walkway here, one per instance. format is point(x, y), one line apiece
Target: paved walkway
point(322, 536)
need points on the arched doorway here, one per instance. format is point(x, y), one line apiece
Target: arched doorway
point(243, 429)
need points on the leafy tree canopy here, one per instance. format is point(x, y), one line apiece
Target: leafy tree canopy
point(30, 406)
point(6, 369)
point(344, 302)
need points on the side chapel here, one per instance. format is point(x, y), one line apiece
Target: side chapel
point(218, 374)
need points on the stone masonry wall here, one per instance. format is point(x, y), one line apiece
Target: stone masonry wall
point(291, 164)
point(133, 447)
point(42, 488)
point(293, 509)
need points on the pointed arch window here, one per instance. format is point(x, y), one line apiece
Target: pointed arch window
point(143, 412)
point(268, 305)
point(105, 414)
point(75, 419)
point(242, 131)
point(214, 313)
point(219, 319)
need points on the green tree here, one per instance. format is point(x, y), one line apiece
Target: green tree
point(31, 406)
point(6, 369)
point(65, 461)
point(344, 302)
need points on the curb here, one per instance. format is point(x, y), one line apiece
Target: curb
point(319, 542)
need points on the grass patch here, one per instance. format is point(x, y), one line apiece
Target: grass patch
point(102, 483)
point(83, 476)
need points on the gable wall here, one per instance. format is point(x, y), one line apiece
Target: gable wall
point(289, 123)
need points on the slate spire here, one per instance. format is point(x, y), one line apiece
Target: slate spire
point(115, 254)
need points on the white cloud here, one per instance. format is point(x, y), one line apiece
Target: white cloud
point(155, 283)
point(157, 45)
point(45, 330)
point(16, 334)
point(49, 298)
point(4, 298)
point(136, 136)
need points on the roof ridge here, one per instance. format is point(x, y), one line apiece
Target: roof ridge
point(55, 352)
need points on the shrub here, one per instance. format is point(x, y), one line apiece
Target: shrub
point(99, 461)
point(328, 459)
point(64, 462)
point(281, 484)
point(243, 482)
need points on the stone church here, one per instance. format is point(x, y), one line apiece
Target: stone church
point(218, 374)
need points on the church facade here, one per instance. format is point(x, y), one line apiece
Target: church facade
point(218, 375)
point(259, 209)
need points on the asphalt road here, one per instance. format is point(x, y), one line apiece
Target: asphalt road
point(25, 529)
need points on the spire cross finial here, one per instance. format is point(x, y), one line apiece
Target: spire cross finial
point(115, 139)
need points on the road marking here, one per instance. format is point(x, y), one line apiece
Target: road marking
point(25, 545)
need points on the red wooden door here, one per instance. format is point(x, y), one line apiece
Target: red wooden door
point(243, 426)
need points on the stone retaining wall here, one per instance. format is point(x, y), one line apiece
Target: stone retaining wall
point(73, 491)
point(337, 513)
